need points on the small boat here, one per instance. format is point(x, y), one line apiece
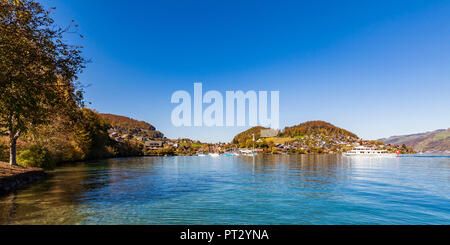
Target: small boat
point(233, 154)
point(368, 152)
point(201, 155)
point(214, 154)
point(248, 153)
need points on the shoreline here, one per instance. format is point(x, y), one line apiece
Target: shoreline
point(194, 155)
point(14, 178)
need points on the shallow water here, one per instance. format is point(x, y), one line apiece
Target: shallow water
point(305, 189)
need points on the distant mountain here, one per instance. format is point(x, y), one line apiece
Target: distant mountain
point(432, 142)
point(126, 125)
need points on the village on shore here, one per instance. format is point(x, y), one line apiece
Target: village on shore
point(317, 137)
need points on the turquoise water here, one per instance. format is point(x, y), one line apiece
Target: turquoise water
point(306, 189)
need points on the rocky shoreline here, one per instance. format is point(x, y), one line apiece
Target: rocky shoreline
point(13, 178)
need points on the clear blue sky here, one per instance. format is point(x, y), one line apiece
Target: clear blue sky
point(377, 68)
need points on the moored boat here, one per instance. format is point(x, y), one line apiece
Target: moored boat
point(246, 152)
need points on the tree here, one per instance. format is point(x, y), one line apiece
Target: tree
point(38, 69)
point(91, 134)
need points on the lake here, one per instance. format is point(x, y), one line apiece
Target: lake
point(263, 190)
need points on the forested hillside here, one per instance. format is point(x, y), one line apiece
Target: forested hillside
point(128, 125)
point(247, 135)
point(317, 127)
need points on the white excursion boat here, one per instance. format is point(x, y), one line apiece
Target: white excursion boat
point(366, 151)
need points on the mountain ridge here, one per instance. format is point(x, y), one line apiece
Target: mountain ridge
point(437, 141)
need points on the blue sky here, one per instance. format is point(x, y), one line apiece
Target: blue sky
point(376, 68)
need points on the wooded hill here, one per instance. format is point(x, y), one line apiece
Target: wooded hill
point(248, 135)
point(131, 126)
point(316, 127)
point(304, 129)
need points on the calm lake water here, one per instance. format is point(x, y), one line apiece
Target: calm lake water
point(306, 189)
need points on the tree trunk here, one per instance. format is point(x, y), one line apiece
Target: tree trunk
point(12, 151)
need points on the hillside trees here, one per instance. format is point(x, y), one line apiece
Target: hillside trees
point(245, 137)
point(316, 128)
point(131, 126)
point(91, 134)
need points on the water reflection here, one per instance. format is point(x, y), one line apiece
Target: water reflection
point(299, 189)
point(304, 169)
point(48, 199)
